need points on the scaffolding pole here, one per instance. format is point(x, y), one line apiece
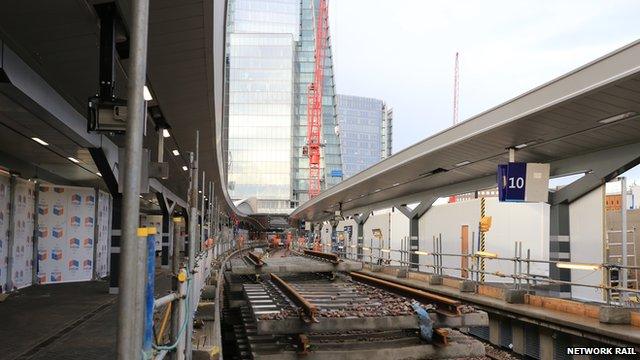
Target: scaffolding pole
point(129, 341)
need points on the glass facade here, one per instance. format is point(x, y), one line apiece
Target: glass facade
point(364, 123)
point(270, 63)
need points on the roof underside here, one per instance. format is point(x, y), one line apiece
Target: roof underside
point(59, 41)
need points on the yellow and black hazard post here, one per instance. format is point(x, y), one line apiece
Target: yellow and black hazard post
point(483, 230)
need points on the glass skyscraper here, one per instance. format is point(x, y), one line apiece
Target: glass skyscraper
point(270, 63)
point(365, 132)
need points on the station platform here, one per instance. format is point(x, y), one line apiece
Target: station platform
point(63, 321)
point(568, 315)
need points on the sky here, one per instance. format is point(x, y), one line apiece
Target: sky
point(403, 52)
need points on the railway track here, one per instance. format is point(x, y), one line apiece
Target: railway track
point(339, 314)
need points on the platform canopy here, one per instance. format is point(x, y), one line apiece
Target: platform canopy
point(50, 69)
point(591, 108)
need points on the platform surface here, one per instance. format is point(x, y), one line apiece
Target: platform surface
point(62, 321)
point(622, 333)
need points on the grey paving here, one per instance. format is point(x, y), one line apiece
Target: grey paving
point(63, 321)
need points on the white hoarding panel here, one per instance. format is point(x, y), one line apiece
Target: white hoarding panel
point(66, 234)
point(5, 207)
point(23, 219)
point(104, 234)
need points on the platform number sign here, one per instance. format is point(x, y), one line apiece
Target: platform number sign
point(518, 182)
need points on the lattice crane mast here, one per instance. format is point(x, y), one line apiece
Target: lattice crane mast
point(314, 102)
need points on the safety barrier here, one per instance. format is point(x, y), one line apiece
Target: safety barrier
point(522, 276)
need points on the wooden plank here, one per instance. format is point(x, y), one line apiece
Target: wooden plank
point(567, 306)
point(490, 291)
point(464, 249)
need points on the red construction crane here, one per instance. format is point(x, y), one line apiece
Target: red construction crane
point(314, 102)
point(456, 94)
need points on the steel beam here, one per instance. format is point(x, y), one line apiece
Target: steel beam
point(360, 221)
point(414, 226)
point(167, 207)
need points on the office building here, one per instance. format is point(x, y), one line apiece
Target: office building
point(365, 132)
point(270, 64)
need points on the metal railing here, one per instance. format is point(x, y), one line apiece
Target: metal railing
point(187, 296)
point(521, 273)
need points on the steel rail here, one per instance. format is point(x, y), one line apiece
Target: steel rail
point(442, 303)
point(308, 308)
point(255, 259)
point(331, 257)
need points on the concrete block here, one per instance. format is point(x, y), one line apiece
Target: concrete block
point(547, 348)
point(206, 311)
point(403, 273)
point(514, 296)
point(615, 315)
point(468, 286)
point(517, 335)
point(208, 292)
point(494, 330)
point(435, 280)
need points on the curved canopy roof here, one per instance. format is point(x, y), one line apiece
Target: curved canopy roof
point(565, 117)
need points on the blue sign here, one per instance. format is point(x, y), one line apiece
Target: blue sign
point(512, 181)
point(336, 173)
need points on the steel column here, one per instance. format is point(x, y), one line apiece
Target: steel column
point(12, 232)
point(360, 221)
point(193, 234)
point(129, 341)
point(623, 240)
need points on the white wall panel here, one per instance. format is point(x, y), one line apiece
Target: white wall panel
point(586, 216)
point(23, 219)
point(526, 222)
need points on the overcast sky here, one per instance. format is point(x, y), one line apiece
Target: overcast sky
point(402, 51)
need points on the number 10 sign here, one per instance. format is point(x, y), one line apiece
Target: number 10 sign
point(523, 182)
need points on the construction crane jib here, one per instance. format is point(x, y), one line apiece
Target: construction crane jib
point(314, 101)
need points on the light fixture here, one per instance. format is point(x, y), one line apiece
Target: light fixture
point(147, 94)
point(396, 184)
point(199, 191)
point(385, 250)
point(618, 117)
point(575, 266)
point(165, 133)
point(366, 248)
point(40, 141)
point(73, 159)
point(176, 152)
point(466, 162)
point(140, 196)
point(521, 146)
point(185, 168)
point(352, 246)
point(377, 190)
point(99, 174)
point(421, 253)
point(486, 254)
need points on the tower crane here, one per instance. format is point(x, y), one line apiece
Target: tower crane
point(314, 102)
